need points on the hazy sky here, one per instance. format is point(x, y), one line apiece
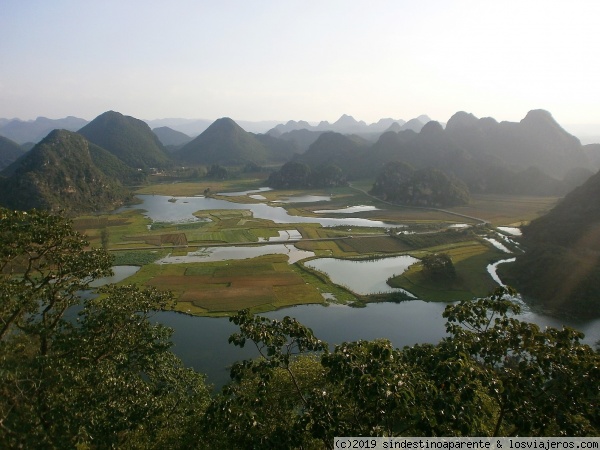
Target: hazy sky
point(311, 60)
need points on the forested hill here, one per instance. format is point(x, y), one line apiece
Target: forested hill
point(561, 266)
point(129, 139)
point(9, 151)
point(171, 137)
point(398, 182)
point(532, 157)
point(224, 142)
point(60, 173)
point(537, 140)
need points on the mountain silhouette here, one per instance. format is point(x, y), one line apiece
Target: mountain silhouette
point(224, 142)
point(129, 139)
point(170, 137)
point(10, 151)
point(560, 268)
point(22, 131)
point(59, 173)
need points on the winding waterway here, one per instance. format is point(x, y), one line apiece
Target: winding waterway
point(202, 342)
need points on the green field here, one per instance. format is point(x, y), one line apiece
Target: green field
point(472, 280)
point(269, 282)
point(220, 288)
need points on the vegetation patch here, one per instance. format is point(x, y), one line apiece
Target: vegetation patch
point(506, 209)
point(472, 279)
point(225, 287)
point(136, 258)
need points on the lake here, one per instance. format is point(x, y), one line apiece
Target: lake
point(363, 277)
point(202, 342)
point(163, 208)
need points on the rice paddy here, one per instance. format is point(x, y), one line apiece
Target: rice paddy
point(269, 282)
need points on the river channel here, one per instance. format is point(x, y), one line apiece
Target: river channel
point(202, 342)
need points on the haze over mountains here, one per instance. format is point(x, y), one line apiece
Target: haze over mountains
point(412, 163)
point(535, 156)
point(561, 267)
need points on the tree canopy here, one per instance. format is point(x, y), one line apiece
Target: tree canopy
point(103, 376)
point(97, 371)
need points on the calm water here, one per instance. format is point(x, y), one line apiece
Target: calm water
point(160, 209)
point(202, 342)
point(243, 252)
point(363, 277)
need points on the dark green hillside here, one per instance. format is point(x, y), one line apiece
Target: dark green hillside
point(334, 148)
point(129, 139)
point(400, 183)
point(561, 266)
point(224, 143)
point(9, 152)
point(302, 139)
point(59, 174)
point(537, 140)
point(114, 168)
point(170, 137)
point(280, 150)
point(489, 157)
point(294, 175)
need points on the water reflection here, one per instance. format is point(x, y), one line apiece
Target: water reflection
point(363, 277)
point(242, 193)
point(237, 252)
point(161, 208)
point(348, 210)
point(201, 342)
point(305, 199)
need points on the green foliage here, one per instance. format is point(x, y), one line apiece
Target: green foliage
point(295, 175)
point(398, 182)
point(129, 139)
point(114, 168)
point(291, 175)
point(247, 409)
point(439, 266)
point(217, 172)
point(60, 173)
point(492, 376)
point(566, 237)
point(105, 379)
point(224, 142)
point(136, 258)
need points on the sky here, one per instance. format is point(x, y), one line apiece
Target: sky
point(302, 60)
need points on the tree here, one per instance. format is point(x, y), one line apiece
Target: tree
point(292, 174)
point(217, 172)
point(439, 266)
point(103, 377)
point(492, 376)
point(329, 176)
point(104, 238)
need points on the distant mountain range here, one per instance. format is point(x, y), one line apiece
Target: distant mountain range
point(535, 156)
point(170, 137)
point(349, 125)
point(34, 131)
